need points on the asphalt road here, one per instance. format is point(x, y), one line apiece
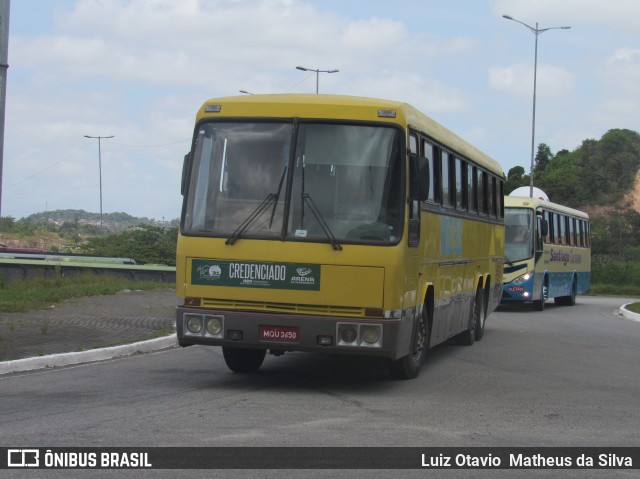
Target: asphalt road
point(567, 376)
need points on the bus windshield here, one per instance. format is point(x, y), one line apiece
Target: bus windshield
point(319, 182)
point(519, 234)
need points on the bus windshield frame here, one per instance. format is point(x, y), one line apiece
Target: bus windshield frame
point(297, 180)
point(519, 234)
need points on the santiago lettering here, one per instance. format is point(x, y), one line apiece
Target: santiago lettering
point(565, 257)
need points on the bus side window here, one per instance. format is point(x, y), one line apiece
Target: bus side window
point(500, 199)
point(428, 151)
point(491, 195)
point(472, 188)
point(545, 215)
point(459, 193)
point(483, 191)
point(563, 229)
point(587, 233)
point(445, 178)
point(413, 144)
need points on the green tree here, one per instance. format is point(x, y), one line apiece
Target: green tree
point(515, 178)
point(542, 159)
point(7, 224)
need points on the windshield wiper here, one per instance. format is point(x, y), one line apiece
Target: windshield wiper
point(508, 261)
point(271, 198)
point(277, 196)
point(323, 224)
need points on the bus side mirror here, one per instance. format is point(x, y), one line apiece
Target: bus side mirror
point(419, 178)
point(185, 168)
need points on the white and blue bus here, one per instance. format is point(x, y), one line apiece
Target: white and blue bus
point(547, 252)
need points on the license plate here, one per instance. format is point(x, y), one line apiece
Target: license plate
point(286, 334)
point(516, 289)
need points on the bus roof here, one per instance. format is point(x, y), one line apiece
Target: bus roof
point(342, 107)
point(535, 203)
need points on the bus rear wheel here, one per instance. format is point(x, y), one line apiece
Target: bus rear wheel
point(243, 360)
point(408, 367)
point(477, 318)
point(568, 300)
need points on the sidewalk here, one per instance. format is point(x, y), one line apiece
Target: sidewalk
point(86, 324)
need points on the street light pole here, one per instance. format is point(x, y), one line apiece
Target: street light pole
point(317, 74)
point(536, 31)
point(99, 138)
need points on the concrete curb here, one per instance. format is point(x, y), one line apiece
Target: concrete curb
point(629, 314)
point(69, 359)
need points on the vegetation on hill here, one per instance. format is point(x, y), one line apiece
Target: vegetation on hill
point(76, 231)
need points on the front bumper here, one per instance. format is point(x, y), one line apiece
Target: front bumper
point(324, 334)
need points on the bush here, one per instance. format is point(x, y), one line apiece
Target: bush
point(145, 244)
point(618, 273)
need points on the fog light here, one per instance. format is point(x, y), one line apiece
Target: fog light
point(348, 334)
point(234, 335)
point(194, 324)
point(214, 326)
point(370, 334)
point(325, 340)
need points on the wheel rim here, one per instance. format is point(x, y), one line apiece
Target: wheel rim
point(482, 317)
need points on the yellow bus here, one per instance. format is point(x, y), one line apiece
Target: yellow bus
point(334, 224)
point(547, 252)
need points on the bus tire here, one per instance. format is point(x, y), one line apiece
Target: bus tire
point(538, 305)
point(408, 367)
point(480, 304)
point(476, 321)
point(243, 360)
point(568, 300)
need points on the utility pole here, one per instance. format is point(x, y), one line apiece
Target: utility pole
point(4, 54)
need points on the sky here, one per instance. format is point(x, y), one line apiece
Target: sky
point(140, 69)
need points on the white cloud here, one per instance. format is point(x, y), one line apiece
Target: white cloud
point(139, 69)
point(622, 71)
point(517, 80)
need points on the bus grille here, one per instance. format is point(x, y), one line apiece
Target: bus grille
point(284, 308)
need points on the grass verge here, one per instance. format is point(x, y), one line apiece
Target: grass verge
point(40, 292)
point(628, 290)
point(634, 307)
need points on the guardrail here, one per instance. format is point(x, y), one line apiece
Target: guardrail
point(27, 266)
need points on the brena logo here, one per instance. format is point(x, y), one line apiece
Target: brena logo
point(209, 271)
point(303, 271)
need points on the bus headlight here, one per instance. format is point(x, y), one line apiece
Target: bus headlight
point(348, 333)
point(522, 279)
point(193, 323)
point(360, 334)
point(371, 334)
point(213, 325)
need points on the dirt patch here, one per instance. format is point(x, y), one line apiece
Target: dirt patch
point(632, 199)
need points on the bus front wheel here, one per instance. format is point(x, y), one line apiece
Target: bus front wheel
point(408, 367)
point(538, 305)
point(243, 360)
